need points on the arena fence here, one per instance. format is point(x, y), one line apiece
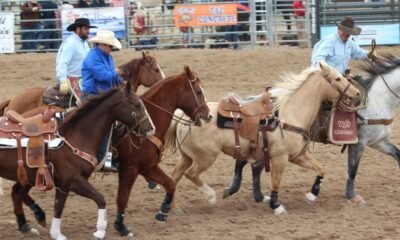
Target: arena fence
point(152, 23)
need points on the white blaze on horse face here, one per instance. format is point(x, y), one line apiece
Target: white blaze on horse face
point(161, 71)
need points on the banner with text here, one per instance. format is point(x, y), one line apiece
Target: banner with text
point(7, 44)
point(384, 34)
point(187, 15)
point(110, 18)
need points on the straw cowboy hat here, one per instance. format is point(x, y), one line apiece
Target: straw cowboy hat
point(106, 37)
point(79, 22)
point(347, 25)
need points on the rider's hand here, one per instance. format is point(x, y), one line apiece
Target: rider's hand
point(64, 89)
point(34, 9)
point(119, 71)
point(372, 55)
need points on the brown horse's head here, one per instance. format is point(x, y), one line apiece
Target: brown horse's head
point(132, 112)
point(142, 71)
point(114, 105)
point(192, 99)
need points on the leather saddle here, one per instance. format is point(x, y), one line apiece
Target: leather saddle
point(249, 117)
point(36, 128)
point(52, 95)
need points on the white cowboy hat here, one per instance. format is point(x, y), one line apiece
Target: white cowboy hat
point(106, 37)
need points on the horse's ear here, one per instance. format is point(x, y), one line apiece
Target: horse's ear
point(325, 68)
point(188, 72)
point(146, 56)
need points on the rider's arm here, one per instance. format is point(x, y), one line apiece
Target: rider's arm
point(357, 52)
point(99, 71)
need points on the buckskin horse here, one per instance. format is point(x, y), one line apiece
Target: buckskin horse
point(199, 147)
point(374, 126)
point(181, 91)
point(139, 71)
point(74, 161)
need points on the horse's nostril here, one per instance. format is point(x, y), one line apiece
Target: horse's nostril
point(210, 116)
point(358, 94)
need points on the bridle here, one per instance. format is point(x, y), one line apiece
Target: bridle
point(179, 119)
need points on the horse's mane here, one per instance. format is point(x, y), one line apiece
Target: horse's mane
point(291, 82)
point(83, 110)
point(383, 65)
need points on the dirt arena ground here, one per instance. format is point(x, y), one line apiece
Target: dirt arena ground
point(239, 217)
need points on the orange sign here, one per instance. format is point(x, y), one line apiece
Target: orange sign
point(193, 15)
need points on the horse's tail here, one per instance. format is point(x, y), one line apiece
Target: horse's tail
point(171, 138)
point(3, 106)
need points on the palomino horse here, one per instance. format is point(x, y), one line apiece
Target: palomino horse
point(181, 91)
point(374, 126)
point(74, 161)
point(200, 146)
point(139, 71)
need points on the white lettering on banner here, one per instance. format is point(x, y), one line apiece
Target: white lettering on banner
point(217, 10)
point(344, 124)
point(7, 44)
point(217, 19)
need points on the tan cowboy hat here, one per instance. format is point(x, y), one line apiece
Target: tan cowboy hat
point(106, 37)
point(347, 25)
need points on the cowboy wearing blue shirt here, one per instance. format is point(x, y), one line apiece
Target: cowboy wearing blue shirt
point(98, 70)
point(72, 52)
point(337, 49)
point(100, 75)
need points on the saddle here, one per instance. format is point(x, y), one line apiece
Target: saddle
point(248, 118)
point(52, 95)
point(36, 128)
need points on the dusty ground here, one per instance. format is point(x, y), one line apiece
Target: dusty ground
point(245, 72)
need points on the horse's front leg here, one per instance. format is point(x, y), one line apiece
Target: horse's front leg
point(278, 164)
point(256, 170)
point(354, 155)
point(55, 229)
point(307, 161)
point(85, 189)
point(236, 180)
point(157, 175)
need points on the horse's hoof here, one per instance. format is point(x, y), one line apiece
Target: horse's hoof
point(43, 223)
point(310, 198)
point(226, 193)
point(34, 232)
point(162, 217)
point(266, 199)
point(212, 200)
point(281, 212)
point(99, 234)
point(153, 185)
point(59, 236)
point(359, 200)
point(123, 230)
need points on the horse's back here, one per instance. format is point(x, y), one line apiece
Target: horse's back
point(28, 100)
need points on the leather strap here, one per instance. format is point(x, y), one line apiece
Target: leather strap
point(265, 147)
point(156, 141)
point(305, 133)
point(378, 121)
point(86, 156)
point(236, 135)
point(21, 172)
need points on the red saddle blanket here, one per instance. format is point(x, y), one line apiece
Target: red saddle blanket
point(343, 127)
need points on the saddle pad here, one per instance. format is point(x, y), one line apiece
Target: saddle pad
point(10, 143)
point(343, 127)
point(226, 122)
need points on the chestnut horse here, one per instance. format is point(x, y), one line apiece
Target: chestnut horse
point(181, 91)
point(139, 71)
point(201, 146)
point(71, 172)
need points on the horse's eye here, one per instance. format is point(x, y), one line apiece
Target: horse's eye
point(338, 79)
point(137, 105)
point(157, 70)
